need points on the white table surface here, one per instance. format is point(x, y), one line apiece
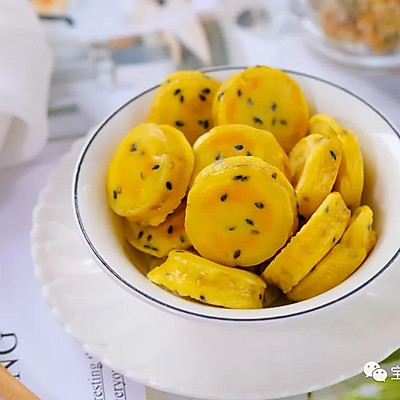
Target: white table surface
point(20, 300)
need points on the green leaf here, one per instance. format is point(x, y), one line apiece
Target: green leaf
point(389, 390)
point(392, 358)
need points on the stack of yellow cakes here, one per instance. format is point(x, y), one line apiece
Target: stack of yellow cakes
point(238, 188)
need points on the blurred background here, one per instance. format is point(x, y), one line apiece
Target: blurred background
point(106, 51)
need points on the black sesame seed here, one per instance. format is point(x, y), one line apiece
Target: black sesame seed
point(155, 167)
point(239, 93)
point(274, 175)
point(333, 155)
point(333, 240)
point(168, 185)
point(116, 192)
point(236, 254)
point(179, 123)
point(242, 178)
point(273, 121)
point(302, 217)
point(202, 97)
point(177, 91)
point(182, 99)
point(231, 228)
point(273, 106)
point(182, 239)
point(249, 221)
point(257, 120)
point(283, 122)
point(327, 209)
point(259, 205)
point(248, 154)
point(250, 101)
point(239, 147)
point(140, 235)
point(149, 238)
point(224, 197)
point(220, 96)
point(202, 298)
point(260, 296)
point(206, 91)
point(170, 229)
point(218, 157)
point(205, 124)
point(133, 147)
point(255, 232)
point(141, 175)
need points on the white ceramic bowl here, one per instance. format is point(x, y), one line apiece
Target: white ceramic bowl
point(381, 149)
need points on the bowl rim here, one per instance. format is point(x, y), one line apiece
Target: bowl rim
point(185, 312)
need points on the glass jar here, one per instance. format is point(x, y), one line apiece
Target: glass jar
point(359, 32)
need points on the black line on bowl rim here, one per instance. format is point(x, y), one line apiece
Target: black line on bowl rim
point(196, 314)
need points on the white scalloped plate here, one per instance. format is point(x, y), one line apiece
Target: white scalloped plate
point(189, 357)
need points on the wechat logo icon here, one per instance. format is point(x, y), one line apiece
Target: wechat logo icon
point(373, 370)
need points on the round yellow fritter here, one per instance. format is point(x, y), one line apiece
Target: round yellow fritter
point(184, 100)
point(193, 276)
point(314, 240)
point(159, 240)
point(240, 211)
point(226, 141)
point(345, 257)
point(314, 164)
point(350, 179)
point(265, 98)
point(149, 173)
point(325, 125)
